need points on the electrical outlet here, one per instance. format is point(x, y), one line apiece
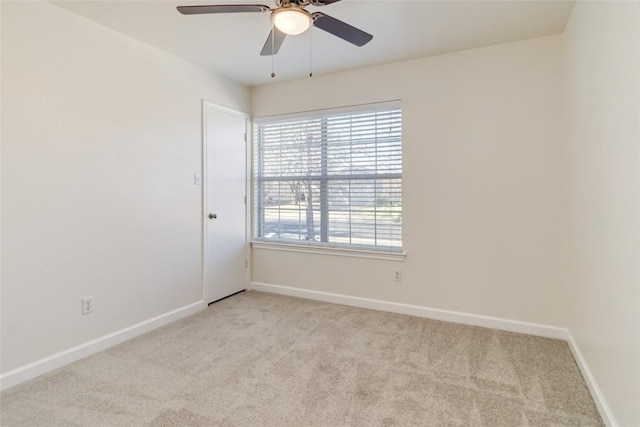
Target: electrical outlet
point(87, 305)
point(397, 276)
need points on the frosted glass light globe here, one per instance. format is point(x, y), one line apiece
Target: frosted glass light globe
point(292, 20)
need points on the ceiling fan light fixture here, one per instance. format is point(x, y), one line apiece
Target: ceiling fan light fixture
point(291, 20)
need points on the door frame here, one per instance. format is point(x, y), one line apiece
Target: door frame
point(247, 191)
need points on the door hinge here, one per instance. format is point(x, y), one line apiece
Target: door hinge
point(245, 137)
point(245, 200)
point(246, 263)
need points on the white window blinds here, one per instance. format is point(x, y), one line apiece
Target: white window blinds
point(332, 179)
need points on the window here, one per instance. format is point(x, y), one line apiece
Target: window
point(330, 178)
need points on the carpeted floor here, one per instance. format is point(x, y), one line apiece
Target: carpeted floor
point(258, 359)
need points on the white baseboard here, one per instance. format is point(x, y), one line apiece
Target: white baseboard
point(418, 311)
point(457, 317)
point(48, 364)
point(596, 393)
point(55, 361)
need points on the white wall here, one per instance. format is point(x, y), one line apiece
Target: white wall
point(484, 204)
point(101, 136)
point(100, 140)
point(602, 123)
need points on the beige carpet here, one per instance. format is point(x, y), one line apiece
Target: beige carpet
point(258, 359)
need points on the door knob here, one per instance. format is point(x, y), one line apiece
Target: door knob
point(213, 216)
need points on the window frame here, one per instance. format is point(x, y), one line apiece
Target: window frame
point(324, 247)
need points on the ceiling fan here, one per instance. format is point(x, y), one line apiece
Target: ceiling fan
point(289, 18)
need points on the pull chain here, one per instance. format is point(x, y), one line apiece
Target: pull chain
point(310, 53)
point(273, 48)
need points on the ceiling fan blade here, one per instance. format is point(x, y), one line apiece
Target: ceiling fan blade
point(222, 8)
point(323, 2)
point(272, 46)
point(340, 29)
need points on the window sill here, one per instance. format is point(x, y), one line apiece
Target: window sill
point(335, 251)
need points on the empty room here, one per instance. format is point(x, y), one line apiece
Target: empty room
point(320, 213)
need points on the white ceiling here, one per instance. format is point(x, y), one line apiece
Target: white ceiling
point(230, 44)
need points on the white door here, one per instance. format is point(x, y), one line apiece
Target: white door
point(225, 219)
